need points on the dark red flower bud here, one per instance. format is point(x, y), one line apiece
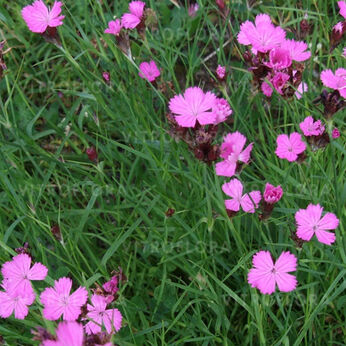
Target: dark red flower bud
point(92, 154)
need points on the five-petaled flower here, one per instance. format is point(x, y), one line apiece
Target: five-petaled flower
point(58, 300)
point(289, 147)
point(133, 19)
point(310, 222)
point(249, 201)
point(67, 334)
point(336, 81)
point(99, 315)
point(266, 274)
point(311, 127)
point(38, 18)
point(18, 273)
point(233, 152)
point(194, 106)
point(15, 301)
point(149, 70)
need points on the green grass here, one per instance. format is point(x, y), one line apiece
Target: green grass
point(187, 273)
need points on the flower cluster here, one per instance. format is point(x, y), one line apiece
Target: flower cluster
point(274, 60)
point(59, 301)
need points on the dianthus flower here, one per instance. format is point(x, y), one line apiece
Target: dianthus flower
point(263, 35)
point(336, 81)
point(232, 151)
point(289, 147)
point(19, 273)
point(311, 127)
point(310, 222)
point(149, 71)
point(38, 18)
point(249, 201)
point(99, 315)
point(114, 27)
point(58, 301)
point(266, 275)
point(132, 19)
point(193, 106)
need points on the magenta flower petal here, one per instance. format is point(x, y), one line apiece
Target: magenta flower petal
point(302, 88)
point(286, 282)
point(279, 58)
point(234, 189)
point(342, 7)
point(225, 168)
point(129, 21)
point(68, 333)
point(137, 8)
point(248, 202)
point(336, 81)
point(297, 50)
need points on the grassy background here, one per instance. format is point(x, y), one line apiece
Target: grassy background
point(186, 274)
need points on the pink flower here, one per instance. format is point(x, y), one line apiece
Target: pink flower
point(302, 88)
point(249, 201)
point(17, 301)
point(289, 147)
point(222, 110)
point(311, 127)
point(266, 89)
point(263, 36)
point(266, 275)
point(149, 71)
point(106, 76)
point(335, 133)
point(297, 50)
point(279, 81)
point(132, 19)
point(194, 105)
point(99, 316)
point(232, 152)
point(111, 286)
point(192, 11)
point(38, 18)
point(58, 301)
point(221, 72)
point(19, 274)
point(272, 194)
point(279, 58)
point(338, 28)
point(68, 334)
point(114, 27)
point(342, 7)
point(335, 81)
point(309, 222)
